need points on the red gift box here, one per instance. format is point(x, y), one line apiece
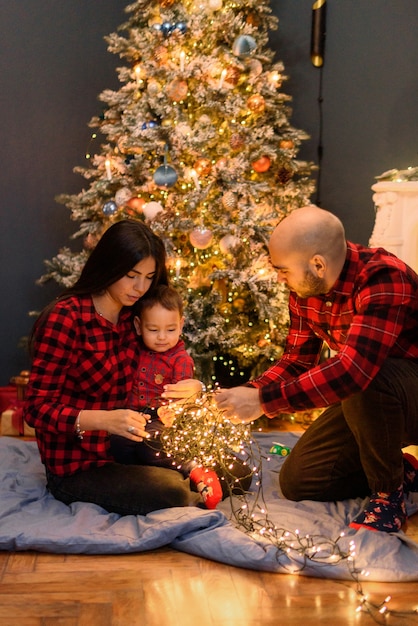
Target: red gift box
point(12, 423)
point(8, 397)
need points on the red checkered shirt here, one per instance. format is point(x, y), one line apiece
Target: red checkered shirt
point(81, 361)
point(370, 314)
point(157, 369)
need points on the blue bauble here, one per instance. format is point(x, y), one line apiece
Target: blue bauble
point(110, 208)
point(181, 27)
point(150, 124)
point(167, 28)
point(244, 46)
point(165, 176)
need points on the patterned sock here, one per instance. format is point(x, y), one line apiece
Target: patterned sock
point(385, 512)
point(208, 485)
point(410, 481)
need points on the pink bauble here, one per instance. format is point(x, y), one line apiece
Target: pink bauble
point(201, 238)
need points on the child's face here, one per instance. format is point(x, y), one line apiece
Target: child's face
point(160, 328)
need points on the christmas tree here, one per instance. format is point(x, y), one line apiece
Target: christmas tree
point(197, 142)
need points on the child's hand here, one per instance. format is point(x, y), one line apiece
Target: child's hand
point(167, 414)
point(182, 390)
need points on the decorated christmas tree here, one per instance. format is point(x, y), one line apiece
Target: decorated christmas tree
point(197, 142)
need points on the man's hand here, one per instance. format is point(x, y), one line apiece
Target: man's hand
point(239, 404)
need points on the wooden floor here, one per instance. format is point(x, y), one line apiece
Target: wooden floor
point(164, 587)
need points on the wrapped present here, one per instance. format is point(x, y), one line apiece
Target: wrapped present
point(8, 397)
point(12, 423)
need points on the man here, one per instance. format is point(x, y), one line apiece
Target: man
point(363, 303)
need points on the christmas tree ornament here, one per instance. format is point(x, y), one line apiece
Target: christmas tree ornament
point(244, 46)
point(256, 103)
point(150, 125)
point(167, 28)
point(227, 243)
point(151, 209)
point(221, 163)
point(201, 238)
point(122, 196)
point(161, 55)
point(110, 208)
point(262, 164)
point(177, 90)
point(153, 87)
point(203, 166)
point(286, 144)
point(166, 3)
point(215, 5)
point(229, 200)
point(180, 27)
point(253, 20)
point(165, 176)
point(237, 141)
point(135, 205)
point(232, 76)
point(238, 304)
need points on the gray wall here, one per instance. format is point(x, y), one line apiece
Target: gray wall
point(54, 63)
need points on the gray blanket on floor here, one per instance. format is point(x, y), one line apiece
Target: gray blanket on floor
point(303, 537)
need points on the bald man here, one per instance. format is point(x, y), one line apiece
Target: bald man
point(363, 304)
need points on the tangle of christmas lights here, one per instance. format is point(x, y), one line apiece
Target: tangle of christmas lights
point(200, 433)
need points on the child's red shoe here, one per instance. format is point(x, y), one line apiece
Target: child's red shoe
point(208, 485)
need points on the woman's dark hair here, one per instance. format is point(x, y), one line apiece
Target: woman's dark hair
point(120, 248)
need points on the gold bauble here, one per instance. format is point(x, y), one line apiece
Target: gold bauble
point(238, 304)
point(286, 144)
point(166, 3)
point(256, 103)
point(203, 166)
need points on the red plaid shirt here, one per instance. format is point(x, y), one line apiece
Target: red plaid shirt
point(81, 361)
point(157, 369)
point(370, 314)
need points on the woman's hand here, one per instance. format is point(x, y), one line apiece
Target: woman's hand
point(128, 423)
point(123, 422)
point(183, 390)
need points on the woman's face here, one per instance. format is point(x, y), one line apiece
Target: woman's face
point(128, 289)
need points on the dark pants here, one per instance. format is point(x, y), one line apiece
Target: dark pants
point(236, 479)
point(355, 447)
point(142, 479)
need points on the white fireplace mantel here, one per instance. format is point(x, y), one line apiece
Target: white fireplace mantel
point(396, 224)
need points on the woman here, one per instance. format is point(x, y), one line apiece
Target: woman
point(84, 353)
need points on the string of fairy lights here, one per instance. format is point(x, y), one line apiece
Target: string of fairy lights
point(199, 432)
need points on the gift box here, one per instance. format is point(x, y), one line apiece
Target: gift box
point(8, 397)
point(12, 423)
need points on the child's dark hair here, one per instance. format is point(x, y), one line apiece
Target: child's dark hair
point(164, 295)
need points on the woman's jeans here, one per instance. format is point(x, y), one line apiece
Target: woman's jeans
point(355, 447)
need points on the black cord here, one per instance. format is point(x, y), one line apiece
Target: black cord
point(320, 148)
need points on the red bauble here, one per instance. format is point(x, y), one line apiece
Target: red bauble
point(262, 164)
point(177, 90)
point(134, 205)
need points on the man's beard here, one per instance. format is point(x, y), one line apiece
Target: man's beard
point(311, 286)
